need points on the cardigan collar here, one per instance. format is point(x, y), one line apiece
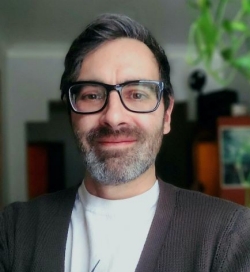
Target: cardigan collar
point(156, 235)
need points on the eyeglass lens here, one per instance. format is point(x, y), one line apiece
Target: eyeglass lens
point(139, 97)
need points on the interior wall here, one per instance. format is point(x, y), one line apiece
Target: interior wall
point(1, 56)
point(2, 93)
point(242, 86)
point(57, 21)
point(32, 79)
point(1, 136)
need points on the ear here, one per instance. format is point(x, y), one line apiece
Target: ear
point(167, 116)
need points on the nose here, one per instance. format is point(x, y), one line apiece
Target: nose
point(114, 114)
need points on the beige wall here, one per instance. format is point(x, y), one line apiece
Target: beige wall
point(1, 120)
point(1, 153)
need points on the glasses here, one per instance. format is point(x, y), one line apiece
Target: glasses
point(141, 96)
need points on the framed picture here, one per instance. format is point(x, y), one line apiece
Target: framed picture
point(234, 158)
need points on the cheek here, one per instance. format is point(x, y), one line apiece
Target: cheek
point(83, 123)
point(150, 123)
point(75, 121)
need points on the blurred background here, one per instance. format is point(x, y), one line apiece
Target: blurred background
point(38, 152)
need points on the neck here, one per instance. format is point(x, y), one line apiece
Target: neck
point(132, 188)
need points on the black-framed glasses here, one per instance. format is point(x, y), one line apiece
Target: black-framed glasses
point(141, 96)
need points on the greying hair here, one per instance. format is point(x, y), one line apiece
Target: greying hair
point(108, 27)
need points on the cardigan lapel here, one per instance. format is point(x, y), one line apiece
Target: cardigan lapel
point(54, 229)
point(158, 229)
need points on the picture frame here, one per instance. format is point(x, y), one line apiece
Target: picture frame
point(234, 158)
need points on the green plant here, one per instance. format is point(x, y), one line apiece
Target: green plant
point(217, 32)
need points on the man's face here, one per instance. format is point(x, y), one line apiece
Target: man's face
point(118, 145)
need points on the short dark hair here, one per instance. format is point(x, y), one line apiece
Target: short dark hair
point(108, 27)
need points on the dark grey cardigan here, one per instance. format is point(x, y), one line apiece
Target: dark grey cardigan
point(190, 232)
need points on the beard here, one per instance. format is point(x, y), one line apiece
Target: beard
point(119, 166)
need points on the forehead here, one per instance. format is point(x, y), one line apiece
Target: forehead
point(118, 61)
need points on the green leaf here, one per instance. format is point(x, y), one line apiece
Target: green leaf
point(208, 34)
point(220, 11)
point(231, 26)
point(227, 25)
point(239, 26)
point(242, 64)
point(204, 4)
point(246, 6)
point(227, 53)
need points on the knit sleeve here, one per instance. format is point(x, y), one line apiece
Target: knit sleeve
point(4, 248)
point(233, 252)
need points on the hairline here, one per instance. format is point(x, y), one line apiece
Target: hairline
point(82, 57)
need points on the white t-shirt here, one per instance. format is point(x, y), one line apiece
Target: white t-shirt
point(108, 235)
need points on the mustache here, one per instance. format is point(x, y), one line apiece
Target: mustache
point(103, 131)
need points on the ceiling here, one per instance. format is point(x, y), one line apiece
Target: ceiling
point(59, 21)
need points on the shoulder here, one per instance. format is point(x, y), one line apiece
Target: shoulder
point(46, 205)
point(194, 202)
point(218, 226)
point(33, 225)
point(208, 215)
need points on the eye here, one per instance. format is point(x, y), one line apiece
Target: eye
point(89, 93)
point(90, 96)
point(138, 95)
point(137, 92)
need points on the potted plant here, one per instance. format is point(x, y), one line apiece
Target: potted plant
point(219, 31)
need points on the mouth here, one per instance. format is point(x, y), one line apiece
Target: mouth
point(116, 141)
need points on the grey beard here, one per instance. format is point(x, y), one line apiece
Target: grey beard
point(117, 170)
point(119, 167)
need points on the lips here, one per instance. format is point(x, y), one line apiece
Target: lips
point(107, 137)
point(116, 140)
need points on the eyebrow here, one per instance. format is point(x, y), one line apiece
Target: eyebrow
point(124, 81)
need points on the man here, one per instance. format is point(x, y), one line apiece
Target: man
point(122, 218)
